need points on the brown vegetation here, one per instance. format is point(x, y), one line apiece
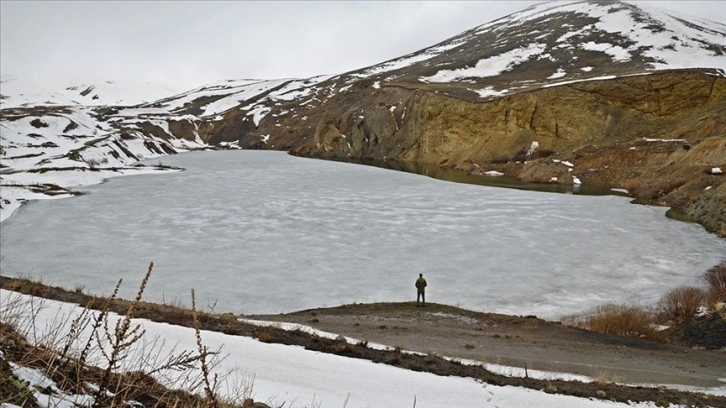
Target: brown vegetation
point(86, 358)
point(622, 320)
point(681, 304)
point(680, 308)
point(716, 280)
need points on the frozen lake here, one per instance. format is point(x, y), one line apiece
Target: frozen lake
point(264, 232)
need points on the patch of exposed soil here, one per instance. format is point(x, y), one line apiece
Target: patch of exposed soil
point(519, 342)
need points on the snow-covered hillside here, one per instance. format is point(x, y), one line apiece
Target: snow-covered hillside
point(17, 92)
point(254, 97)
point(671, 40)
point(54, 141)
point(559, 42)
point(47, 151)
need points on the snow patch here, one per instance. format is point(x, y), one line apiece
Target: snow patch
point(532, 148)
point(489, 67)
point(258, 112)
point(600, 78)
point(559, 74)
point(618, 53)
point(565, 162)
point(489, 92)
point(647, 139)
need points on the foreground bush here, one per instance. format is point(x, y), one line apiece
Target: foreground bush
point(716, 280)
point(681, 304)
point(622, 320)
point(99, 359)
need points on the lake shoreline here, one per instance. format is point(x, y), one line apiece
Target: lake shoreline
point(647, 362)
point(452, 174)
point(467, 176)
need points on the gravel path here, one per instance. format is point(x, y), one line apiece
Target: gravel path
point(519, 342)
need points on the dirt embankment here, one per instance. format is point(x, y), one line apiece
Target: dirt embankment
point(518, 342)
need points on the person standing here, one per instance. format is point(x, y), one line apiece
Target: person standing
point(420, 290)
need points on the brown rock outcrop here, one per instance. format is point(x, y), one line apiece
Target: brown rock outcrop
point(656, 135)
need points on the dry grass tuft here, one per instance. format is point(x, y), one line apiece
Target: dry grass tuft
point(26, 285)
point(622, 320)
point(606, 377)
point(681, 304)
point(716, 280)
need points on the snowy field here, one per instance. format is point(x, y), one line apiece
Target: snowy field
point(264, 232)
point(288, 376)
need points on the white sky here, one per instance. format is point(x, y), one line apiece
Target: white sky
point(186, 44)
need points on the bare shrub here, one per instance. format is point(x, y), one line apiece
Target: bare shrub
point(682, 303)
point(621, 320)
point(716, 279)
point(606, 377)
point(203, 351)
point(121, 339)
point(25, 284)
point(105, 359)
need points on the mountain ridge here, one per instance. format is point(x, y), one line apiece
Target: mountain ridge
point(559, 76)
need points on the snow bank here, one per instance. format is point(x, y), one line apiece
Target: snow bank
point(297, 377)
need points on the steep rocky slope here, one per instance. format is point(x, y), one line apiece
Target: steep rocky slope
point(633, 99)
point(593, 92)
point(658, 136)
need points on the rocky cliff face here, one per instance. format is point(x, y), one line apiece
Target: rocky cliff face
point(658, 136)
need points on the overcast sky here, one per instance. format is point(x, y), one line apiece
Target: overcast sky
point(186, 44)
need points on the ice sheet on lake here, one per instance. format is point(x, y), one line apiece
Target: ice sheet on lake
point(265, 232)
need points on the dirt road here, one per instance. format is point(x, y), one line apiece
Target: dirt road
point(518, 342)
